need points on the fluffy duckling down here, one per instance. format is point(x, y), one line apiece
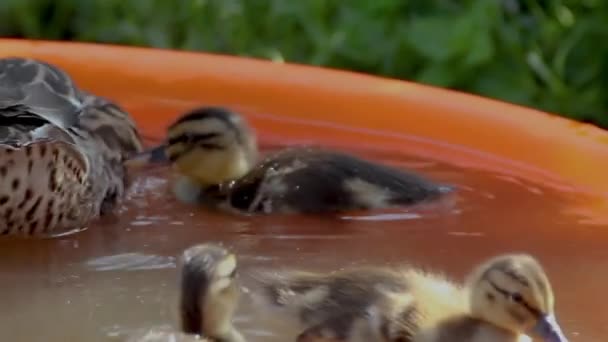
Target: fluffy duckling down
point(209, 297)
point(215, 154)
point(505, 299)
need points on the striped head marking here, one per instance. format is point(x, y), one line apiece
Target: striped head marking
point(209, 145)
point(513, 292)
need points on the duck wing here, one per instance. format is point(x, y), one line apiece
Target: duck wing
point(35, 90)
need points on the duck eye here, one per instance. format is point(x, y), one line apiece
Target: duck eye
point(188, 137)
point(516, 297)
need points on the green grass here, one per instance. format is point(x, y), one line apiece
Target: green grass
point(549, 54)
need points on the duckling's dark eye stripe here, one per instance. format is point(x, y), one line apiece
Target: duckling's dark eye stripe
point(513, 275)
point(192, 138)
point(210, 146)
point(218, 113)
point(500, 290)
point(174, 156)
point(535, 312)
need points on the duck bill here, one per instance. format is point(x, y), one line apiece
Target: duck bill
point(548, 330)
point(154, 156)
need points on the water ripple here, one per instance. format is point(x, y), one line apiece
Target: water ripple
point(384, 217)
point(131, 262)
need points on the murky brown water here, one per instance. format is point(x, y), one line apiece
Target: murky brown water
point(120, 274)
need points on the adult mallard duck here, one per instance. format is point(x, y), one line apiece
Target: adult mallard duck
point(61, 151)
point(215, 154)
point(508, 298)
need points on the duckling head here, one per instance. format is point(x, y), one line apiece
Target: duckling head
point(209, 293)
point(514, 293)
point(208, 145)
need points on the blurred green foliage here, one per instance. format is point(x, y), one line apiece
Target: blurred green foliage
point(549, 54)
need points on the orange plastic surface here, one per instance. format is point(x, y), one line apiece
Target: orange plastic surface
point(380, 109)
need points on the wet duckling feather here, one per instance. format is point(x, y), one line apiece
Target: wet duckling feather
point(214, 152)
point(209, 296)
point(505, 299)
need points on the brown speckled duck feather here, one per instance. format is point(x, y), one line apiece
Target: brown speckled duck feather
point(61, 151)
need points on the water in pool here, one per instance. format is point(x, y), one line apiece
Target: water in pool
point(120, 275)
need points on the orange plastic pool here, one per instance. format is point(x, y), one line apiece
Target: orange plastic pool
point(530, 181)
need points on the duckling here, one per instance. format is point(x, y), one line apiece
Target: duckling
point(505, 299)
point(61, 151)
point(208, 299)
point(216, 157)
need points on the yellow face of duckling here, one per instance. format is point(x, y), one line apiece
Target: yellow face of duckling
point(210, 294)
point(513, 292)
point(208, 145)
